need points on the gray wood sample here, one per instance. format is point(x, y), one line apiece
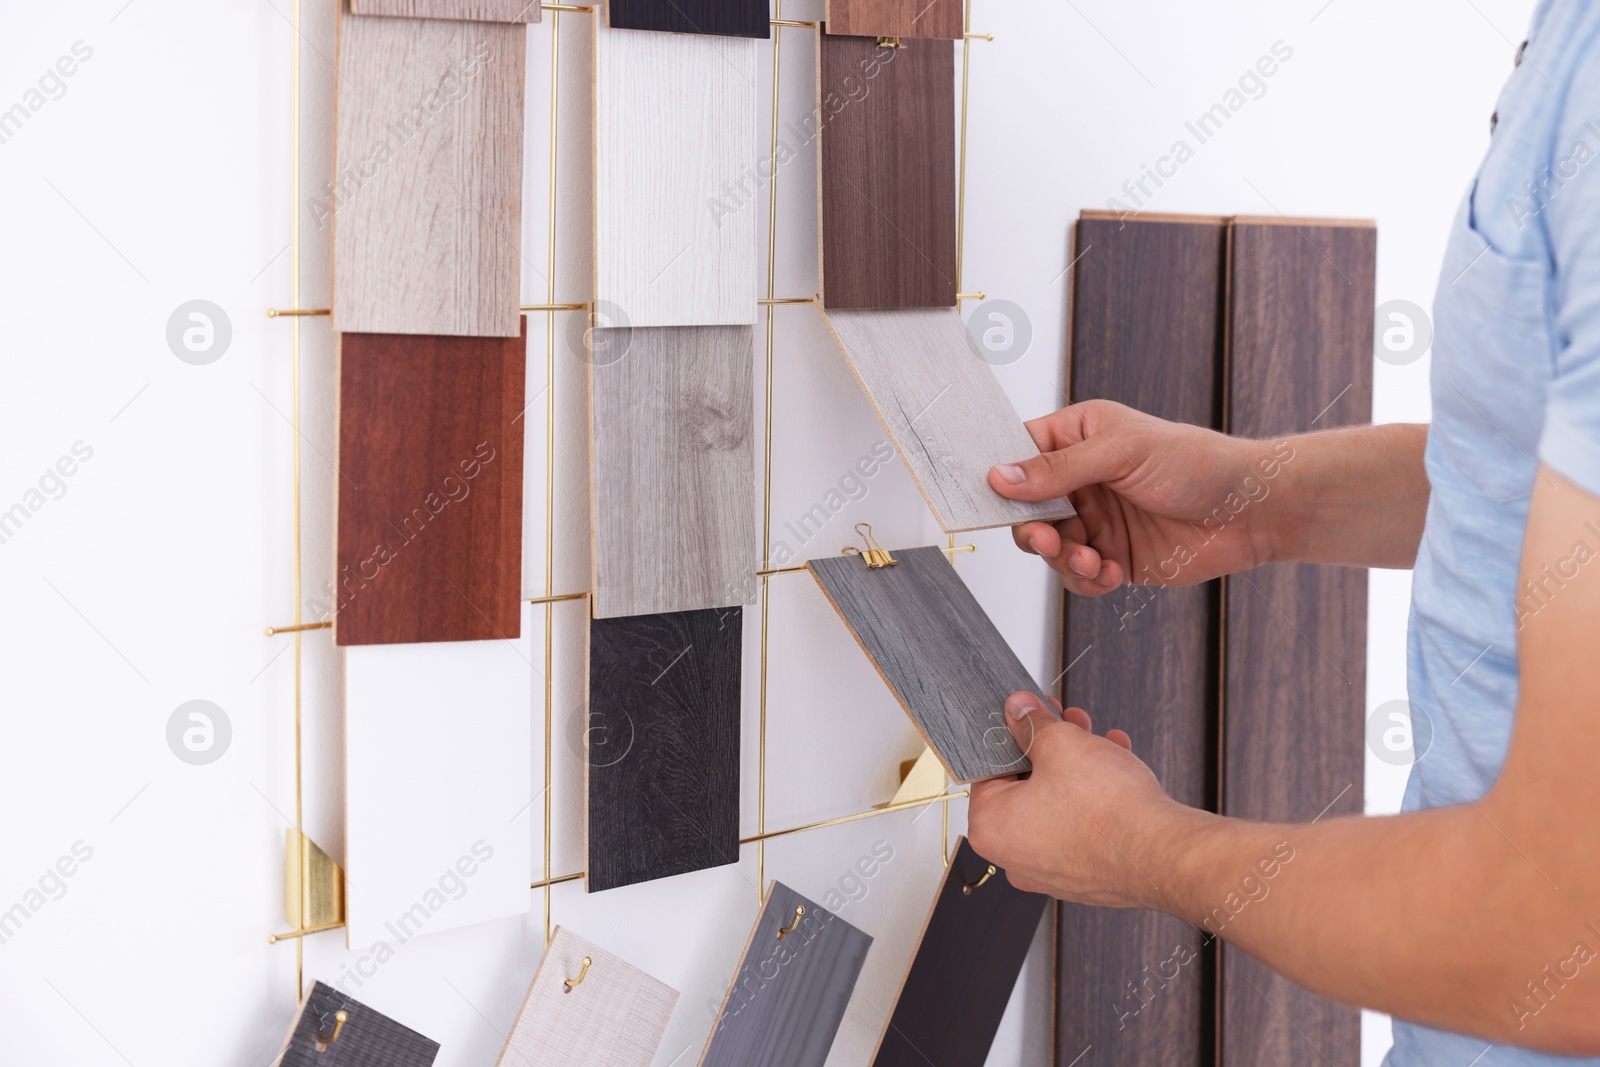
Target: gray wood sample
point(615, 1016)
point(939, 653)
point(790, 993)
point(365, 1039)
point(674, 469)
point(473, 10)
point(426, 199)
point(944, 410)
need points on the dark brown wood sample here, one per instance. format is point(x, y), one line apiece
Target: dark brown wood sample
point(973, 946)
point(938, 652)
point(1300, 358)
point(365, 1038)
point(429, 488)
point(887, 174)
point(725, 18)
point(895, 18)
point(1147, 319)
point(663, 745)
point(793, 984)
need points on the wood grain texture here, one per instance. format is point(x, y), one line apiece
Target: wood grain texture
point(426, 202)
point(615, 1017)
point(945, 411)
point(663, 745)
point(1147, 318)
point(886, 173)
point(429, 488)
point(367, 1039)
point(729, 18)
point(938, 652)
point(895, 18)
point(675, 139)
point(471, 10)
point(788, 996)
point(674, 469)
point(1300, 357)
point(966, 963)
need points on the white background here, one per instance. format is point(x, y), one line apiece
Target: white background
point(162, 175)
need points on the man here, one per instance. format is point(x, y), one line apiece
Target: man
point(1474, 917)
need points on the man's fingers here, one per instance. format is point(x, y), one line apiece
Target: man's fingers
point(1055, 474)
point(1028, 718)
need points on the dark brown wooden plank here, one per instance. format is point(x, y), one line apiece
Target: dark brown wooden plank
point(727, 18)
point(972, 950)
point(367, 1038)
point(1147, 315)
point(1300, 358)
point(429, 488)
point(887, 176)
point(789, 994)
point(895, 18)
point(938, 652)
point(663, 745)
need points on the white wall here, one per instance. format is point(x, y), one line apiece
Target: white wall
point(161, 176)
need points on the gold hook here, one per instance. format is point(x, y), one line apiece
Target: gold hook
point(890, 42)
point(967, 889)
point(338, 1026)
point(876, 555)
point(799, 910)
point(572, 983)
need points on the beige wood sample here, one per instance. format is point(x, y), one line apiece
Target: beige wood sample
point(945, 411)
point(674, 469)
point(614, 1017)
point(426, 200)
point(474, 10)
point(676, 193)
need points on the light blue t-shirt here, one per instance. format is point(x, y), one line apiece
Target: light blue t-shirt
point(1516, 381)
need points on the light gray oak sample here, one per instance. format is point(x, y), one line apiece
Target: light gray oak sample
point(788, 995)
point(945, 411)
point(426, 201)
point(676, 199)
point(615, 1017)
point(937, 651)
point(674, 470)
point(473, 10)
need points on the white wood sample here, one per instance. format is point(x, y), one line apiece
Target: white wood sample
point(676, 192)
point(426, 200)
point(945, 411)
point(614, 1017)
point(477, 10)
point(438, 785)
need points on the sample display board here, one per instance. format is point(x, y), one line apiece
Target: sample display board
point(363, 1038)
point(475, 10)
point(895, 18)
point(734, 18)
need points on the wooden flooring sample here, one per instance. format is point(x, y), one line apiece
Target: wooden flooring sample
point(1300, 358)
point(895, 18)
point(663, 745)
point(438, 786)
point(887, 173)
point(972, 949)
point(675, 139)
point(426, 203)
point(729, 18)
point(614, 1017)
point(944, 410)
point(674, 470)
point(472, 10)
point(365, 1038)
point(429, 488)
point(1147, 314)
point(788, 995)
point(939, 653)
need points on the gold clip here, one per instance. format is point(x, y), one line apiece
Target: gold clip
point(890, 42)
point(338, 1026)
point(799, 910)
point(967, 889)
point(876, 555)
point(583, 972)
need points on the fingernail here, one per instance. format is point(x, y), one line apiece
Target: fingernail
point(1013, 474)
point(1020, 707)
point(1106, 579)
point(1033, 544)
point(1078, 568)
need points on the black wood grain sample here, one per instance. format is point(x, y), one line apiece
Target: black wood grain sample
point(726, 18)
point(789, 994)
point(939, 653)
point(367, 1038)
point(972, 950)
point(1300, 358)
point(663, 745)
point(1147, 317)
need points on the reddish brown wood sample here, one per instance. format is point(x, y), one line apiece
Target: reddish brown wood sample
point(430, 488)
point(887, 173)
point(895, 18)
